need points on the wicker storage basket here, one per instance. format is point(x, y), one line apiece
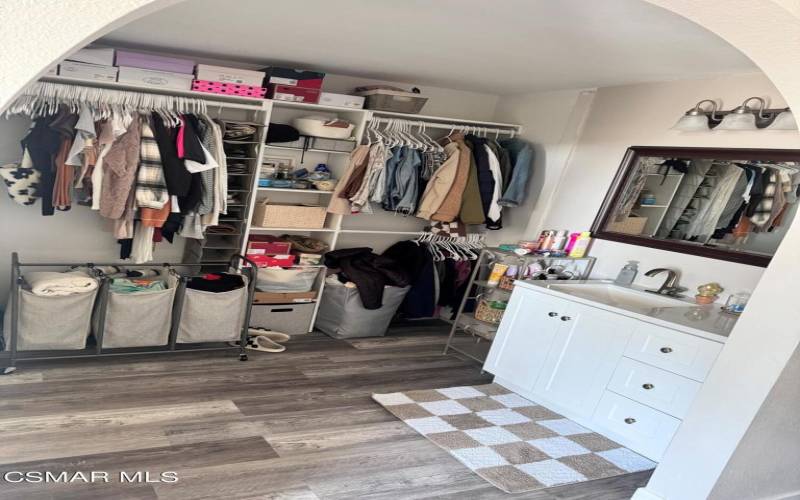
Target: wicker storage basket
point(631, 225)
point(291, 216)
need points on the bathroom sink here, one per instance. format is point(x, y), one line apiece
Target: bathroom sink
point(618, 296)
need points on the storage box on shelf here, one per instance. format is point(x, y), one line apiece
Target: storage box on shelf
point(224, 74)
point(154, 78)
point(79, 70)
point(276, 75)
point(154, 62)
point(102, 56)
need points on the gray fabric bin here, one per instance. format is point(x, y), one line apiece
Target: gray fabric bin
point(213, 317)
point(58, 323)
point(342, 314)
point(139, 319)
point(292, 319)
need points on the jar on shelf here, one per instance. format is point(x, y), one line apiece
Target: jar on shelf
point(491, 306)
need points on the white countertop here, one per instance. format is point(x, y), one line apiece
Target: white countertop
point(707, 321)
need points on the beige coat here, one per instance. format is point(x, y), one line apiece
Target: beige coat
point(451, 205)
point(440, 183)
point(339, 205)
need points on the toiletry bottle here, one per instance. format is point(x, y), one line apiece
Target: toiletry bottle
point(581, 245)
point(547, 242)
point(559, 240)
point(571, 242)
point(628, 273)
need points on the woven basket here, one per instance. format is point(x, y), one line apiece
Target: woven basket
point(290, 216)
point(631, 225)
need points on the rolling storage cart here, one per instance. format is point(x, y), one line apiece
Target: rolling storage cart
point(173, 320)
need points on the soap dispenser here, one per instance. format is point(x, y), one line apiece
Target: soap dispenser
point(627, 274)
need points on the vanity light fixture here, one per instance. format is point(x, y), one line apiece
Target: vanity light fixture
point(744, 117)
point(784, 121)
point(698, 119)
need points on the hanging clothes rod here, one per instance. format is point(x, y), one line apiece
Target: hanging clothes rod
point(43, 97)
point(455, 126)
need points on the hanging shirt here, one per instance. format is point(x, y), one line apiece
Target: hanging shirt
point(494, 208)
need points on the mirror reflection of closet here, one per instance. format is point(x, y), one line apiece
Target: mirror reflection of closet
point(724, 203)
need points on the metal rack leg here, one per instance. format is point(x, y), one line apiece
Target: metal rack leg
point(177, 310)
point(16, 279)
point(464, 299)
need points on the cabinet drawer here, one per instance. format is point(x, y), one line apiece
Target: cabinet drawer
point(642, 429)
point(654, 387)
point(673, 351)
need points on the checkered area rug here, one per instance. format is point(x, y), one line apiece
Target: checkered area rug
point(509, 441)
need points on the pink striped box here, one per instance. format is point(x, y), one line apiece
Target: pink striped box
point(228, 88)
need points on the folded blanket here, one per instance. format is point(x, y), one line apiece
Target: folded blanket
point(51, 284)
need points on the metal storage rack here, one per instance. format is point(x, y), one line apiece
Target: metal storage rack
point(10, 355)
point(477, 334)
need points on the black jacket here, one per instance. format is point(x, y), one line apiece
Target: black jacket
point(370, 273)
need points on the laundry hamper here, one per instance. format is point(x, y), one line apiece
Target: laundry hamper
point(51, 323)
point(342, 315)
point(216, 317)
point(137, 319)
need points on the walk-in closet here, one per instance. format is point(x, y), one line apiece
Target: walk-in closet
point(396, 250)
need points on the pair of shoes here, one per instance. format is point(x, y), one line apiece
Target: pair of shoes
point(264, 340)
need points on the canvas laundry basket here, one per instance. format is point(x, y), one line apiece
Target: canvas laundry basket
point(342, 315)
point(213, 317)
point(59, 323)
point(139, 319)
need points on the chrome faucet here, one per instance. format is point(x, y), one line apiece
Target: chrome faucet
point(670, 285)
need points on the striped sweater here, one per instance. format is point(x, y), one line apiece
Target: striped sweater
point(151, 185)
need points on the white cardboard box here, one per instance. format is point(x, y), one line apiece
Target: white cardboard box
point(341, 100)
point(94, 55)
point(229, 75)
point(71, 69)
point(153, 78)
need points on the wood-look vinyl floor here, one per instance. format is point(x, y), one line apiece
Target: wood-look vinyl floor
point(295, 425)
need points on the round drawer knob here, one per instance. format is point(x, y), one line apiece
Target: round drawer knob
point(666, 350)
point(552, 314)
point(648, 386)
point(630, 420)
point(565, 318)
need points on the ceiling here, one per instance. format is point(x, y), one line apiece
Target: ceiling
point(497, 46)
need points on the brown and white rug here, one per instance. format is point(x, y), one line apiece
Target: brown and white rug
point(513, 443)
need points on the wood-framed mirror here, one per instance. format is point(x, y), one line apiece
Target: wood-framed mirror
point(723, 203)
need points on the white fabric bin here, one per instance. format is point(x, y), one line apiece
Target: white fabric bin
point(139, 319)
point(293, 319)
point(286, 280)
point(213, 317)
point(342, 315)
point(51, 323)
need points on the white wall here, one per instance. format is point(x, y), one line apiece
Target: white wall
point(551, 122)
point(641, 115)
point(775, 432)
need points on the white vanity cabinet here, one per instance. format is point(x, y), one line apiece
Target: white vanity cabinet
point(524, 337)
point(612, 372)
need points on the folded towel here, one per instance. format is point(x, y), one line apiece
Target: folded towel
point(50, 284)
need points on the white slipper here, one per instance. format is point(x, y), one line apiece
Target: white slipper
point(262, 344)
point(263, 332)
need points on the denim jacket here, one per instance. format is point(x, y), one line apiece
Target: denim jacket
point(521, 154)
